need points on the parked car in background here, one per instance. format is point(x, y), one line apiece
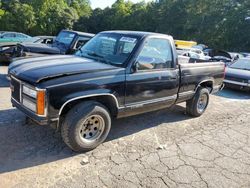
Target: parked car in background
point(184, 43)
point(235, 56)
point(10, 37)
point(7, 50)
point(66, 42)
point(245, 54)
point(200, 46)
point(219, 55)
point(42, 39)
point(193, 53)
point(116, 74)
point(238, 75)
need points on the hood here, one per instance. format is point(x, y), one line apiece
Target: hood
point(238, 73)
point(40, 48)
point(34, 70)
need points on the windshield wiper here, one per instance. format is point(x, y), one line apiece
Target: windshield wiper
point(80, 49)
point(95, 55)
point(107, 61)
point(100, 56)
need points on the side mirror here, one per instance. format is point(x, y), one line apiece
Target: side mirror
point(135, 66)
point(143, 64)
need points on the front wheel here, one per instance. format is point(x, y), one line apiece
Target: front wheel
point(198, 104)
point(86, 126)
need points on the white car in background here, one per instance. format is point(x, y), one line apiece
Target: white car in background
point(193, 53)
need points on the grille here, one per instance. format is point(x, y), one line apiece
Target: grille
point(15, 89)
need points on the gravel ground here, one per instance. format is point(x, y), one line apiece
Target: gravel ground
point(159, 149)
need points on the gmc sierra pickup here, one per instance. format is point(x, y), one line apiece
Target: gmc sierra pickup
point(116, 74)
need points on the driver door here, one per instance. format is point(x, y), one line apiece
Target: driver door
point(155, 79)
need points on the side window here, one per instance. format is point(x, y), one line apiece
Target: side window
point(156, 54)
point(9, 35)
point(21, 36)
point(48, 41)
point(81, 41)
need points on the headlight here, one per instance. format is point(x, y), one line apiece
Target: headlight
point(35, 100)
point(29, 104)
point(30, 92)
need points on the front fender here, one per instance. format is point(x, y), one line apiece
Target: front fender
point(56, 106)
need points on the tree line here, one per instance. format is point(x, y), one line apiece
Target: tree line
point(222, 24)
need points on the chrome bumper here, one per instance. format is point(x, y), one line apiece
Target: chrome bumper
point(237, 83)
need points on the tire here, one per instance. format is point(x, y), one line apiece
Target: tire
point(194, 107)
point(86, 126)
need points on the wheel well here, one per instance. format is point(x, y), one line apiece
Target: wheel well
point(208, 85)
point(106, 100)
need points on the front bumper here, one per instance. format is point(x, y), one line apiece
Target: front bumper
point(30, 114)
point(237, 85)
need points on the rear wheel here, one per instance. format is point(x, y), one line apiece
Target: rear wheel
point(86, 126)
point(198, 104)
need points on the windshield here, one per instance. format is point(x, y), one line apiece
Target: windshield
point(109, 48)
point(241, 64)
point(65, 37)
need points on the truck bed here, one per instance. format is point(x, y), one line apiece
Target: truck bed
point(193, 74)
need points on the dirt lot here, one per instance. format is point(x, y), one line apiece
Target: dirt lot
point(159, 149)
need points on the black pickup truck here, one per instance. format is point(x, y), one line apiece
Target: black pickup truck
point(116, 74)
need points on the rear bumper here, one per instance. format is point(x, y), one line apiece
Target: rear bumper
point(31, 115)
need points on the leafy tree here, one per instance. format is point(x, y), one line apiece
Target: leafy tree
point(53, 16)
point(81, 6)
point(217, 23)
point(95, 23)
point(21, 18)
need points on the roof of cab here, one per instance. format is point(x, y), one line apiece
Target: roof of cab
point(135, 33)
point(81, 33)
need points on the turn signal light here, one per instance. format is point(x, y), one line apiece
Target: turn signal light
point(41, 102)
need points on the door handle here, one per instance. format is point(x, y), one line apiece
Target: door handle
point(172, 78)
point(186, 74)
